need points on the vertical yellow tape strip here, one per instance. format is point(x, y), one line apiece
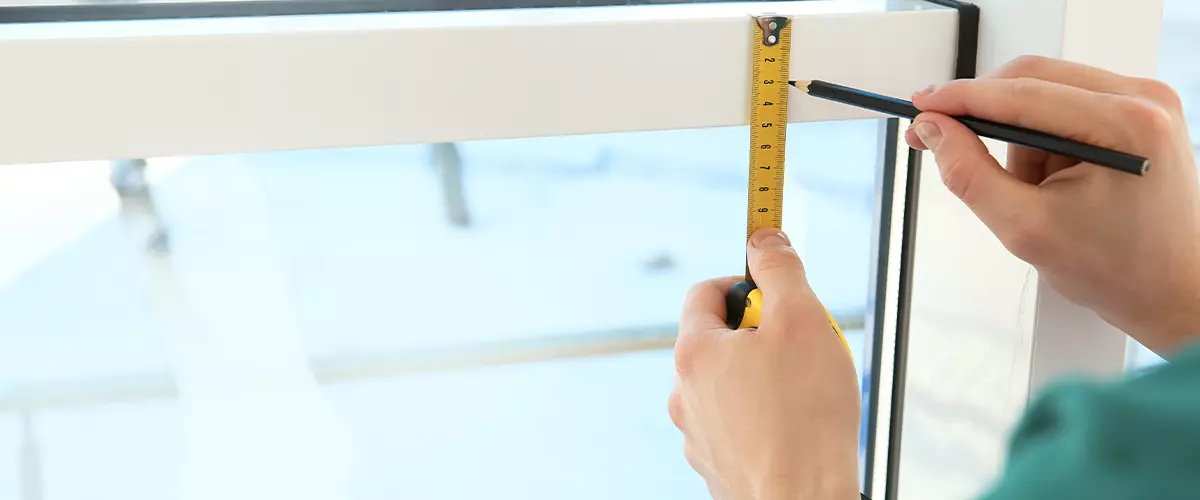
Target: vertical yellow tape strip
point(768, 125)
point(769, 91)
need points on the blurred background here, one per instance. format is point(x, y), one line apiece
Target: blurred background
point(435, 321)
point(412, 316)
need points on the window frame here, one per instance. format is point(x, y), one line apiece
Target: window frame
point(211, 86)
point(57, 13)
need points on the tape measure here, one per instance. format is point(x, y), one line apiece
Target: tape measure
point(769, 90)
point(768, 122)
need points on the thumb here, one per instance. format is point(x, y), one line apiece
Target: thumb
point(776, 269)
point(1008, 206)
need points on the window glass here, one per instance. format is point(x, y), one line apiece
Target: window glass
point(434, 321)
point(1176, 66)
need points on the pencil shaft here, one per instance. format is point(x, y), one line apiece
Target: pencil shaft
point(985, 128)
point(863, 99)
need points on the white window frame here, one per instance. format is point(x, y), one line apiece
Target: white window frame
point(205, 86)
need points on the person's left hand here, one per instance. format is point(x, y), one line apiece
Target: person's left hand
point(771, 413)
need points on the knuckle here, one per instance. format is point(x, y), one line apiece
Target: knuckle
point(688, 349)
point(692, 455)
point(954, 87)
point(695, 291)
point(1146, 118)
point(1159, 122)
point(1159, 92)
point(1021, 88)
point(1021, 93)
point(675, 410)
point(1025, 64)
point(689, 453)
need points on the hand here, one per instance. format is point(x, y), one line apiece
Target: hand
point(771, 413)
point(1124, 246)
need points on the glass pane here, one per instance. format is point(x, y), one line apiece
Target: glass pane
point(1177, 67)
point(428, 321)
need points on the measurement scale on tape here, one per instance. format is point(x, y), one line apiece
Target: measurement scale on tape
point(769, 89)
point(768, 122)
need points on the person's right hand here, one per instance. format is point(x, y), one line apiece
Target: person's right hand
point(1127, 247)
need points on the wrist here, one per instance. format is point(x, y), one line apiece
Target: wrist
point(838, 484)
point(1175, 321)
point(833, 490)
point(1172, 324)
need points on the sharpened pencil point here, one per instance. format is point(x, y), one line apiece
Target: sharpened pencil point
point(800, 84)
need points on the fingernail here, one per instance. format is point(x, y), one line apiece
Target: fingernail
point(925, 91)
point(767, 238)
point(930, 135)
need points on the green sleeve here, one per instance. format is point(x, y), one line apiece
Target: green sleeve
point(1138, 438)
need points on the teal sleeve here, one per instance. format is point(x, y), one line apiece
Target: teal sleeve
point(1138, 438)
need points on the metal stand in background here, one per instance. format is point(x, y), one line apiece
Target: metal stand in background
point(29, 469)
point(128, 178)
point(448, 161)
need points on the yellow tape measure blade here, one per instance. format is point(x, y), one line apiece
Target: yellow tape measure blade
point(768, 122)
point(768, 137)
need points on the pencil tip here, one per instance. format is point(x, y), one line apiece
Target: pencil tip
point(800, 84)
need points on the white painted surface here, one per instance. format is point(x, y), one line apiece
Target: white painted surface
point(138, 89)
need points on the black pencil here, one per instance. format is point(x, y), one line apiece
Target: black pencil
point(1016, 135)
